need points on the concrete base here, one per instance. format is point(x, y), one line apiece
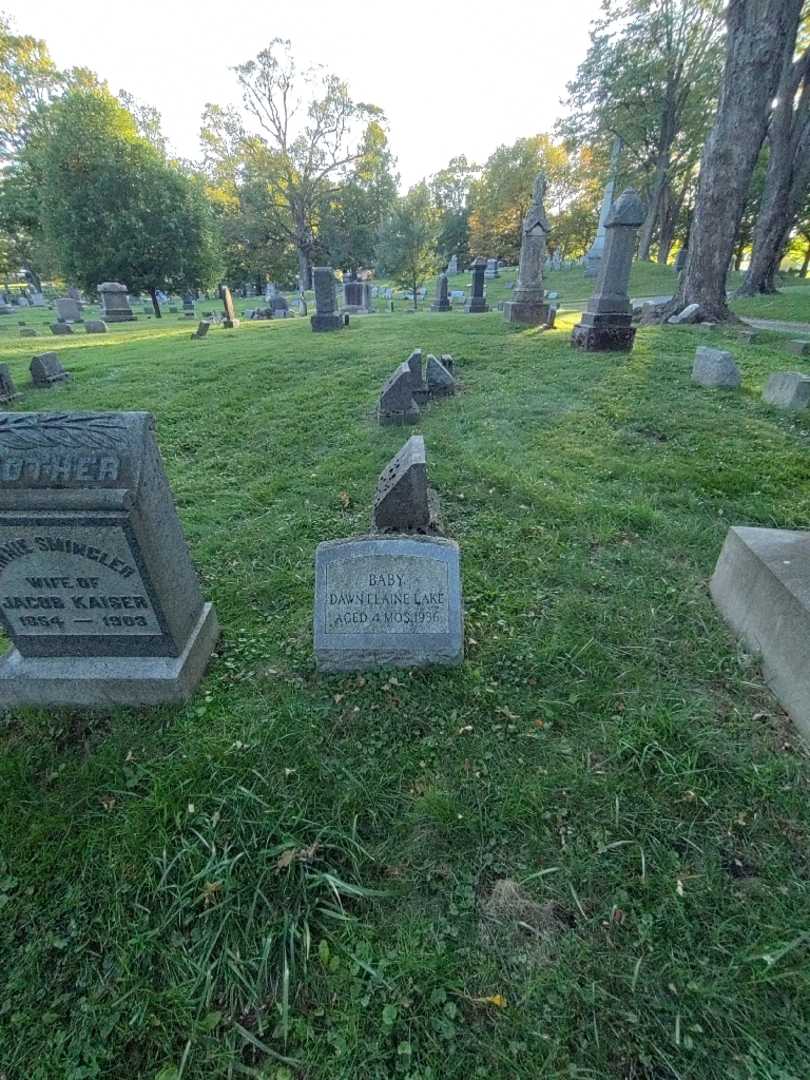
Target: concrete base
point(102, 681)
point(761, 586)
point(475, 306)
point(326, 322)
point(603, 338)
point(526, 313)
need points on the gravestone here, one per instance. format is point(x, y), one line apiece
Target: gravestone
point(477, 304)
point(715, 367)
point(551, 318)
point(97, 590)
point(442, 301)
point(452, 266)
point(230, 322)
point(799, 347)
point(690, 314)
point(95, 326)
point(787, 390)
point(761, 587)
point(68, 309)
point(680, 260)
point(397, 405)
point(419, 388)
point(606, 325)
point(46, 370)
point(37, 299)
point(440, 382)
point(202, 329)
point(8, 391)
point(491, 270)
point(353, 296)
point(326, 316)
point(593, 260)
point(390, 600)
point(527, 306)
point(279, 306)
point(61, 328)
point(188, 301)
point(115, 303)
point(367, 297)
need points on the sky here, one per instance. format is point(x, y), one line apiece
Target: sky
point(461, 77)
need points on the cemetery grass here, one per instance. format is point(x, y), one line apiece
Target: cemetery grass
point(582, 854)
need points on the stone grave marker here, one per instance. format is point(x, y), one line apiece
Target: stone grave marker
point(551, 318)
point(715, 367)
point(799, 347)
point(188, 302)
point(442, 301)
point(787, 390)
point(37, 299)
point(230, 322)
point(390, 600)
point(452, 266)
point(477, 303)
point(491, 271)
point(528, 306)
point(61, 328)
point(606, 325)
point(440, 382)
point(354, 297)
point(418, 385)
point(201, 331)
point(97, 590)
point(46, 370)
point(95, 326)
point(8, 391)
point(115, 303)
point(326, 316)
point(68, 309)
point(396, 405)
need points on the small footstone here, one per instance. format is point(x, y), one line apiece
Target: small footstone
point(715, 367)
point(61, 328)
point(396, 405)
point(787, 390)
point(47, 370)
point(95, 326)
point(761, 587)
point(440, 382)
point(401, 500)
point(799, 347)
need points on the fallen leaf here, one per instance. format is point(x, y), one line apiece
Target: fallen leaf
point(345, 500)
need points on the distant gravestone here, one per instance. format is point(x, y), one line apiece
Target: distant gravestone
point(442, 301)
point(787, 390)
point(715, 367)
point(37, 299)
point(115, 303)
point(799, 347)
point(61, 328)
point(230, 322)
point(95, 326)
point(202, 329)
point(68, 309)
point(551, 318)
point(390, 600)
point(354, 297)
point(46, 370)
point(452, 266)
point(477, 304)
point(8, 391)
point(528, 306)
point(326, 316)
point(99, 595)
point(491, 270)
point(188, 302)
point(397, 405)
point(606, 325)
point(440, 382)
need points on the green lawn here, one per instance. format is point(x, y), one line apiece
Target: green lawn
point(582, 854)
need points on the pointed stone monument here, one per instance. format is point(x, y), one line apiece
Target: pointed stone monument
point(527, 306)
point(477, 303)
point(442, 301)
point(606, 325)
point(593, 260)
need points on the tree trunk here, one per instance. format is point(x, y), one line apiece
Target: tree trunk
point(758, 34)
point(787, 177)
point(155, 304)
point(806, 263)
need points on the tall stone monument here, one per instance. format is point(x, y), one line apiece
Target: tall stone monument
point(115, 303)
point(527, 306)
point(391, 598)
point(97, 590)
point(606, 325)
point(354, 296)
point(477, 303)
point(326, 316)
point(442, 301)
point(593, 260)
point(230, 322)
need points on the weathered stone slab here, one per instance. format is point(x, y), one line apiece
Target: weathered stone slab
point(202, 329)
point(95, 326)
point(787, 390)
point(8, 391)
point(97, 590)
point(115, 303)
point(46, 370)
point(440, 382)
point(401, 499)
point(477, 302)
point(230, 322)
point(387, 602)
point(715, 367)
point(761, 587)
point(799, 347)
point(61, 328)
point(396, 405)
point(690, 314)
point(442, 301)
point(68, 310)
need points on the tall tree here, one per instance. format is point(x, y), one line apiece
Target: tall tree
point(28, 79)
point(313, 143)
point(406, 245)
point(450, 189)
point(787, 179)
point(759, 34)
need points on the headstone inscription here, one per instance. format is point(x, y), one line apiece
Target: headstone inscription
point(230, 322)
point(97, 590)
point(477, 303)
point(442, 301)
point(527, 305)
point(326, 316)
point(68, 310)
point(390, 600)
point(46, 370)
point(606, 325)
point(8, 391)
point(115, 303)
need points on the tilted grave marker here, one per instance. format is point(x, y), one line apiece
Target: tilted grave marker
point(46, 370)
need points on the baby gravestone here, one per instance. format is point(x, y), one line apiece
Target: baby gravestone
point(390, 600)
point(47, 370)
point(97, 590)
point(8, 391)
